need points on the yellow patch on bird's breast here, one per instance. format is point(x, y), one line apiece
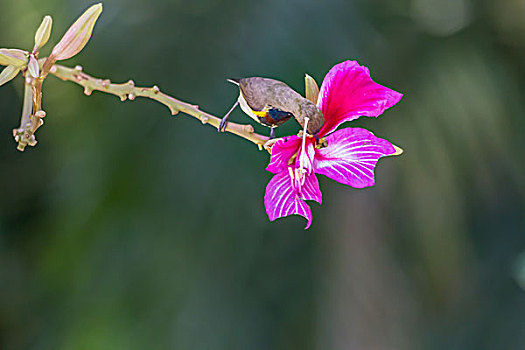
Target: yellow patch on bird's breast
point(260, 114)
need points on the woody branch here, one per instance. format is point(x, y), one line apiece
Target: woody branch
point(130, 91)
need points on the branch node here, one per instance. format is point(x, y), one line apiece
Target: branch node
point(123, 97)
point(204, 119)
point(131, 96)
point(131, 83)
point(78, 68)
point(31, 140)
point(249, 129)
point(156, 89)
point(88, 91)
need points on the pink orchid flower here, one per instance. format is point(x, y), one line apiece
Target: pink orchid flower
point(347, 156)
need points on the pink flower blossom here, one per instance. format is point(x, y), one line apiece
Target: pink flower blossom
point(348, 156)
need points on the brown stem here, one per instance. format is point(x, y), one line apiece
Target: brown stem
point(130, 91)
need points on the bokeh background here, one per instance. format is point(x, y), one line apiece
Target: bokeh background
point(126, 228)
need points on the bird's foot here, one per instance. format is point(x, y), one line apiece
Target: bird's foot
point(223, 124)
point(224, 120)
point(272, 133)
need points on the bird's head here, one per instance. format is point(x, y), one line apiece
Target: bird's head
point(315, 117)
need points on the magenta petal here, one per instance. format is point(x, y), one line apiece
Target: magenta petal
point(310, 190)
point(281, 199)
point(351, 155)
point(348, 92)
point(282, 151)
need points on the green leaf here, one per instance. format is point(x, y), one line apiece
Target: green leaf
point(8, 74)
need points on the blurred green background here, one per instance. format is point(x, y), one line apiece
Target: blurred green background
point(126, 228)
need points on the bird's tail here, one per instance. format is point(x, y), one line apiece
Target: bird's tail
point(235, 81)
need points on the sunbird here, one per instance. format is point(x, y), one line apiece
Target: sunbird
point(271, 103)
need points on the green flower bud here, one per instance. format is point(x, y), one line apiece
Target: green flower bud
point(77, 35)
point(8, 74)
point(43, 33)
point(32, 67)
point(311, 88)
point(13, 57)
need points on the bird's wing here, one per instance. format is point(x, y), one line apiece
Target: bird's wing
point(253, 92)
point(261, 93)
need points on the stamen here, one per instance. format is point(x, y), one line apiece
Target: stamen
point(301, 171)
point(290, 171)
point(301, 160)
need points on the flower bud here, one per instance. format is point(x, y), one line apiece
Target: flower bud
point(14, 57)
point(311, 88)
point(8, 74)
point(32, 67)
point(77, 35)
point(43, 33)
